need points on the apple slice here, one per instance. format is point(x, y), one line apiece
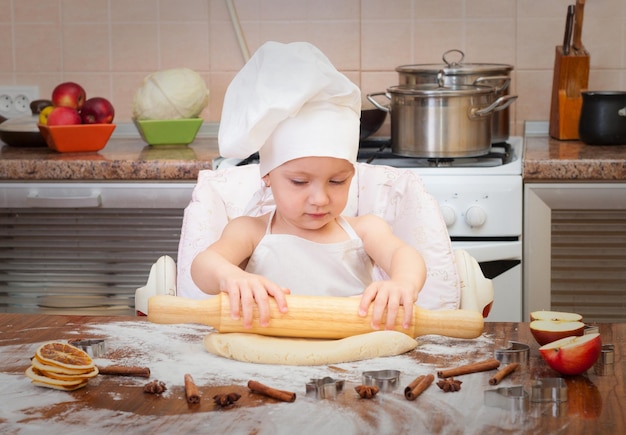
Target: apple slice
point(547, 331)
point(572, 355)
point(555, 316)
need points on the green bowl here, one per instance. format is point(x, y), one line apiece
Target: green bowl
point(170, 131)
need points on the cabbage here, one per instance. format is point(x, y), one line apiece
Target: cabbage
point(171, 94)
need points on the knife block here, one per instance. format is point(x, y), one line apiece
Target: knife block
point(571, 76)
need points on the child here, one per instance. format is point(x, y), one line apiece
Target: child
point(292, 106)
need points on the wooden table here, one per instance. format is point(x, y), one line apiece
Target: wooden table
point(113, 404)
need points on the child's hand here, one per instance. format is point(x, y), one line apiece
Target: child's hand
point(245, 290)
point(389, 295)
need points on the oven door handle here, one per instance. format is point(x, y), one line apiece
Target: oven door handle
point(36, 200)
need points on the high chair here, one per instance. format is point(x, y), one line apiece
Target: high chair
point(454, 278)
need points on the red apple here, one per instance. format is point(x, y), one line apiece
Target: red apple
point(69, 94)
point(548, 326)
point(63, 116)
point(547, 331)
point(555, 315)
point(572, 355)
point(97, 110)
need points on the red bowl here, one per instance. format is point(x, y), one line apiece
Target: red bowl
point(77, 138)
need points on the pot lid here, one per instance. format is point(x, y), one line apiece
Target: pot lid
point(440, 89)
point(432, 89)
point(25, 124)
point(456, 67)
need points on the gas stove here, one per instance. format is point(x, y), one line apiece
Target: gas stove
point(503, 158)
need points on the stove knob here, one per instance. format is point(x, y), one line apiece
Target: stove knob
point(475, 216)
point(449, 215)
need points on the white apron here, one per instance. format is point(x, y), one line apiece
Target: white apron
point(311, 268)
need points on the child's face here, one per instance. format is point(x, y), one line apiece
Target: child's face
point(311, 191)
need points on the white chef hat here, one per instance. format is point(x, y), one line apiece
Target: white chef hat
point(287, 102)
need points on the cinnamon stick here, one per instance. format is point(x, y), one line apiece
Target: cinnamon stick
point(284, 396)
point(481, 366)
point(418, 386)
point(501, 374)
point(191, 390)
point(143, 372)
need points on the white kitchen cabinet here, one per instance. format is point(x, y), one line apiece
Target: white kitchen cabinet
point(575, 249)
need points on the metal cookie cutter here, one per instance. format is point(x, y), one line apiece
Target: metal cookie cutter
point(385, 380)
point(508, 398)
point(95, 347)
point(324, 388)
point(549, 390)
point(515, 352)
point(604, 365)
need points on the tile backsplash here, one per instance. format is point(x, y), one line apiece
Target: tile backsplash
point(109, 46)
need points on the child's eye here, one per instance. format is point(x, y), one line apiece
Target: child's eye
point(339, 182)
point(298, 182)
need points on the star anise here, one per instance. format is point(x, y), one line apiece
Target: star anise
point(449, 385)
point(154, 387)
point(366, 391)
point(226, 399)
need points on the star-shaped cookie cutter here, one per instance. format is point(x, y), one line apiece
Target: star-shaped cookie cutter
point(324, 388)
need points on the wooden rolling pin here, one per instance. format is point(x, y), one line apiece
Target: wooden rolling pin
point(310, 317)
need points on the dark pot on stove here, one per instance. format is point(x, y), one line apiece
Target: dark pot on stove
point(23, 131)
point(441, 121)
point(603, 118)
point(371, 121)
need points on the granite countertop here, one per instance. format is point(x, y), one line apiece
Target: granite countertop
point(120, 159)
point(130, 158)
point(551, 160)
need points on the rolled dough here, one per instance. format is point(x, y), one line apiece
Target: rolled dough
point(303, 351)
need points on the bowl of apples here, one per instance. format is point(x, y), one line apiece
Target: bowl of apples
point(75, 123)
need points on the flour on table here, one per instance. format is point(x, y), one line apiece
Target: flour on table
point(171, 351)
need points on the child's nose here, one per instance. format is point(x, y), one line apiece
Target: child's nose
point(319, 196)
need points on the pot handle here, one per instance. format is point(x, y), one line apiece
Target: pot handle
point(453, 63)
point(500, 104)
point(371, 99)
point(506, 81)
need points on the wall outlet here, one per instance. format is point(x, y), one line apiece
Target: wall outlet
point(15, 100)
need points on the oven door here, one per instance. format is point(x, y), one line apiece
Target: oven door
point(500, 261)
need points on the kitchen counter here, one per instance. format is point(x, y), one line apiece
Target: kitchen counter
point(129, 158)
point(123, 159)
point(115, 404)
point(551, 160)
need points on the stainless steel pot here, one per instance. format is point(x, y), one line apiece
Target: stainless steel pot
point(459, 73)
point(441, 121)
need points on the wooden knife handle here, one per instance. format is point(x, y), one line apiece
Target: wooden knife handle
point(579, 13)
point(310, 317)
